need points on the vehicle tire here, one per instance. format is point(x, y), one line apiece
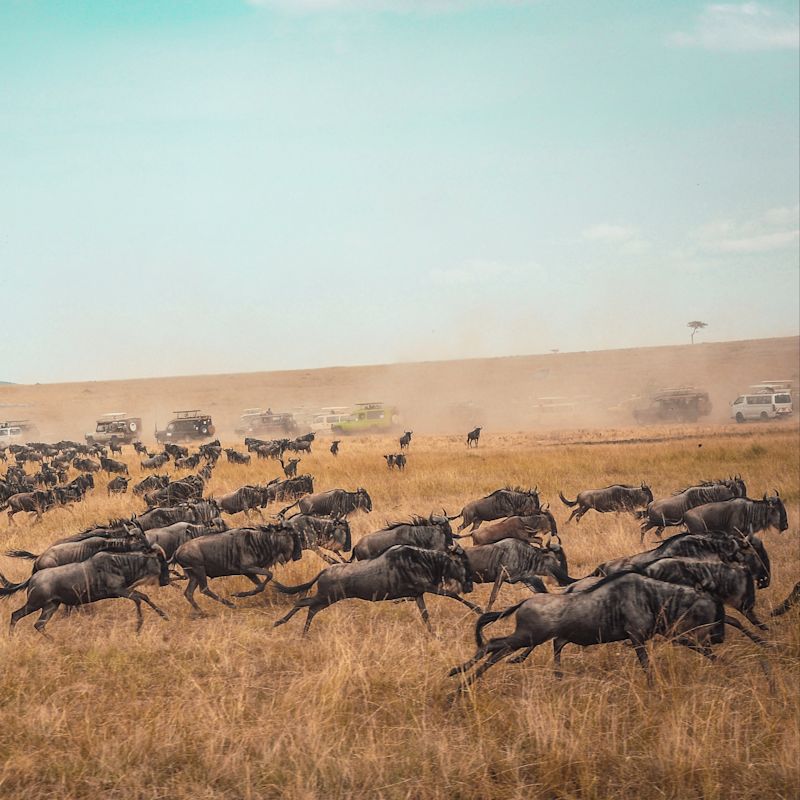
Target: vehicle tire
point(739, 417)
point(764, 416)
point(204, 430)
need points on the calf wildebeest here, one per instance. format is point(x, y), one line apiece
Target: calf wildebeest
point(102, 577)
point(169, 539)
point(792, 600)
point(234, 457)
point(402, 572)
point(290, 469)
point(669, 511)
point(525, 528)
point(623, 607)
point(473, 437)
point(506, 502)
point(618, 497)
point(748, 550)
point(335, 503)
point(241, 551)
point(731, 584)
point(199, 513)
point(36, 502)
point(739, 515)
point(151, 482)
point(322, 533)
point(155, 462)
point(335, 447)
point(513, 561)
point(118, 485)
point(246, 498)
point(430, 533)
point(405, 439)
point(139, 448)
point(109, 465)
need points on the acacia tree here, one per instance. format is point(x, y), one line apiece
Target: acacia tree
point(695, 325)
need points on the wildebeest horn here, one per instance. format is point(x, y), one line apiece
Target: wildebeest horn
point(777, 493)
point(765, 495)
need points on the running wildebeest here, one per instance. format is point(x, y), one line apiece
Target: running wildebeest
point(36, 502)
point(176, 451)
point(335, 447)
point(525, 528)
point(320, 533)
point(241, 551)
point(738, 515)
point(199, 513)
point(102, 577)
point(155, 462)
point(290, 469)
point(109, 465)
point(85, 465)
point(618, 497)
point(623, 607)
point(514, 561)
point(169, 539)
point(187, 462)
point(473, 437)
point(334, 503)
point(184, 490)
point(235, 457)
point(115, 446)
point(246, 498)
point(139, 448)
point(300, 445)
point(430, 533)
point(118, 485)
point(402, 572)
point(150, 483)
point(405, 439)
point(506, 502)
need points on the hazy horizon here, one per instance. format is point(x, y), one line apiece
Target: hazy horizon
point(231, 186)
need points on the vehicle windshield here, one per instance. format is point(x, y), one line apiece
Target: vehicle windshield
point(783, 398)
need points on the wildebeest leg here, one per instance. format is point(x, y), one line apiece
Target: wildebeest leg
point(144, 598)
point(325, 557)
point(454, 596)
point(525, 653)
point(47, 612)
point(703, 649)
point(751, 617)
point(734, 623)
point(284, 619)
point(312, 612)
point(260, 585)
point(17, 615)
point(497, 651)
point(558, 646)
point(501, 576)
point(188, 593)
point(202, 580)
point(423, 610)
point(574, 513)
point(481, 652)
point(644, 659)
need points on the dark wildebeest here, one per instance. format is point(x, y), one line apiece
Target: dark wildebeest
point(405, 439)
point(115, 446)
point(792, 600)
point(188, 488)
point(739, 515)
point(335, 503)
point(390, 460)
point(150, 483)
point(525, 528)
point(507, 502)
point(473, 437)
point(322, 532)
point(402, 572)
point(36, 502)
point(513, 561)
point(169, 539)
point(400, 461)
point(175, 450)
point(623, 607)
point(430, 533)
point(241, 551)
point(618, 497)
point(118, 485)
point(235, 457)
point(335, 447)
point(290, 469)
point(188, 462)
point(731, 584)
point(669, 511)
point(109, 465)
point(139, 448)
point(299, 446)
point(85, 465)
point(245, 499)
point(748, 550)
point(102, 577)
point(203, 512)
point(155, 462)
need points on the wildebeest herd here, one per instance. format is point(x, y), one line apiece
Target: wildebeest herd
point(679, 589)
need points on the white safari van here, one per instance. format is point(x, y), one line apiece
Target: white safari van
point(768, 400)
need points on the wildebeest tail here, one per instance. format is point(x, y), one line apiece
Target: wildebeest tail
point(9, 588)
point(21, 554)
point(566, 502)
point(489, 617)
point(283, 511)
point(792, 600)
point(301, 587)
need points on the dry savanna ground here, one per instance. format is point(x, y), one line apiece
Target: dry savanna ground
point(227, 707)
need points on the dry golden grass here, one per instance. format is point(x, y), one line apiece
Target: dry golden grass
point(228, 707)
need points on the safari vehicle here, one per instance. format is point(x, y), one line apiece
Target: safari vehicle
point(16, 431)
point(368, 418)
point(117, 425)
point(768, 400)
point(326, 418)
point(186, 426)
point(675, 405)
point(255, 421)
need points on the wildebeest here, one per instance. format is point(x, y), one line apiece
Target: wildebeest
point(235, 457)
point(322, 533)
point(155, 462)
point(506, 502)
point(102, 577)
point(513, 561)
point(405, 439)
point(246, 498)
point(792, 600)
point(290, 469)
point(669, 511)
point(118, 485)
point(199, 513)
point(188, 488)
point(430, 533)
point(241, 551)
point(115, 445)
point(624, 607)
point(335, 503)
point(739, 515)
point(175, 450)
point(749, 550)
point(85, 465)
point(402, 572)
point(139, 448)
point(109, 465)
point(187, 462)
point(335, 447)
point(473, 437)
point(169, 539)
point(390, 460)
point(398, 460)
point(36, 502)
point(618, 497)
point(525, 528)
point(301, 445)
point(150, 483)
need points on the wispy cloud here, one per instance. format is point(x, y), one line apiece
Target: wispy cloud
point(625, 238)
point(740, 27)
point(775, 229)
point(396, 6)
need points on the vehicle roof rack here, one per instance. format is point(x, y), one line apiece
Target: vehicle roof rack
point(190, 413)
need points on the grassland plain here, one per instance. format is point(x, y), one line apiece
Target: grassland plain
point(227, 707)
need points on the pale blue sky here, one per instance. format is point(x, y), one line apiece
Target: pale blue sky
point(232, 186)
